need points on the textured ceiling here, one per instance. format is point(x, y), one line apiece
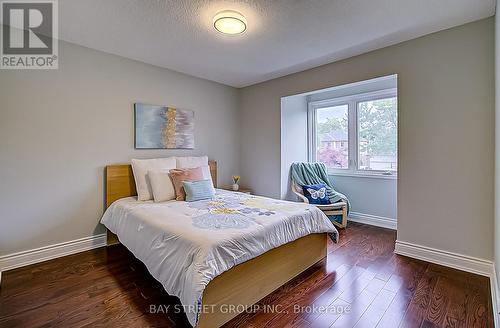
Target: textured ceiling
point(283, 36)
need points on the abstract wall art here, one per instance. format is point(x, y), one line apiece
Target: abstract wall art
point(159, 127)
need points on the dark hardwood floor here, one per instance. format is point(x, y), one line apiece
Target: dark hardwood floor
point(361, 283)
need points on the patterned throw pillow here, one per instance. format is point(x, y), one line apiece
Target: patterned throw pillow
point(316, 194)
point(180, 175)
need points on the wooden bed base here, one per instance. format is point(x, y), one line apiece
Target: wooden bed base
point(249, 282)
point(245, 284)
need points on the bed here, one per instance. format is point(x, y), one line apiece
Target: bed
point(218, 256)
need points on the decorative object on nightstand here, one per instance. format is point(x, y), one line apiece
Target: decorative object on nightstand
point(236, 178)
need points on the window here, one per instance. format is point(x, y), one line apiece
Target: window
point(355, 134)
point(332, 136)
point(377, 134)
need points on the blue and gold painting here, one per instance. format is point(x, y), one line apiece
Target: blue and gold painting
point(162, 127)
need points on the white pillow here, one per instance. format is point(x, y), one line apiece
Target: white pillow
point(205, 169)
point(162, 186)
point(191, 162)
point(140, 167)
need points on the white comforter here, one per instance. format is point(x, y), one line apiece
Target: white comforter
point(186, 245)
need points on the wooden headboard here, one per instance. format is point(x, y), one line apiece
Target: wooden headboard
point(120, 181)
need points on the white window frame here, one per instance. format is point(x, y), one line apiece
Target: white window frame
point(353, 153)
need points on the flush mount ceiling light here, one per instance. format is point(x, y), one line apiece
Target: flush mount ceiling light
point(230, 22)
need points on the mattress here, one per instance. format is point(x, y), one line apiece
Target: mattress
point(185, 245)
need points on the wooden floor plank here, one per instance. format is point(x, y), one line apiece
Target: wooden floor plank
point(358, 308)
point(362, 283)
point(376, 310)
point(419, 305)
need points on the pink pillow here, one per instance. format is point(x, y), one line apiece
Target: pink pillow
point(180, 175)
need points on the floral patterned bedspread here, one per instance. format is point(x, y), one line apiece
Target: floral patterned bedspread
point(230, 210)
point(185, 245)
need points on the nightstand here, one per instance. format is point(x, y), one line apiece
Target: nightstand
point(243, 190)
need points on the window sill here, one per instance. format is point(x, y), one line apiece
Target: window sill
point(364, 175)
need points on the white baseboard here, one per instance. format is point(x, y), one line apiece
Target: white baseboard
point(374, 220)
point(20, 259)
point(494, 297)
point(457, 261)
point(449, 259)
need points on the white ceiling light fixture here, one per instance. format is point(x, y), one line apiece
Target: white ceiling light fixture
point(230, 22)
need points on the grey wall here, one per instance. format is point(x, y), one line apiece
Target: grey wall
point(58, 129)
point(369, 196)
point(293, 139)
point(497, 147)
point(446, 121)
